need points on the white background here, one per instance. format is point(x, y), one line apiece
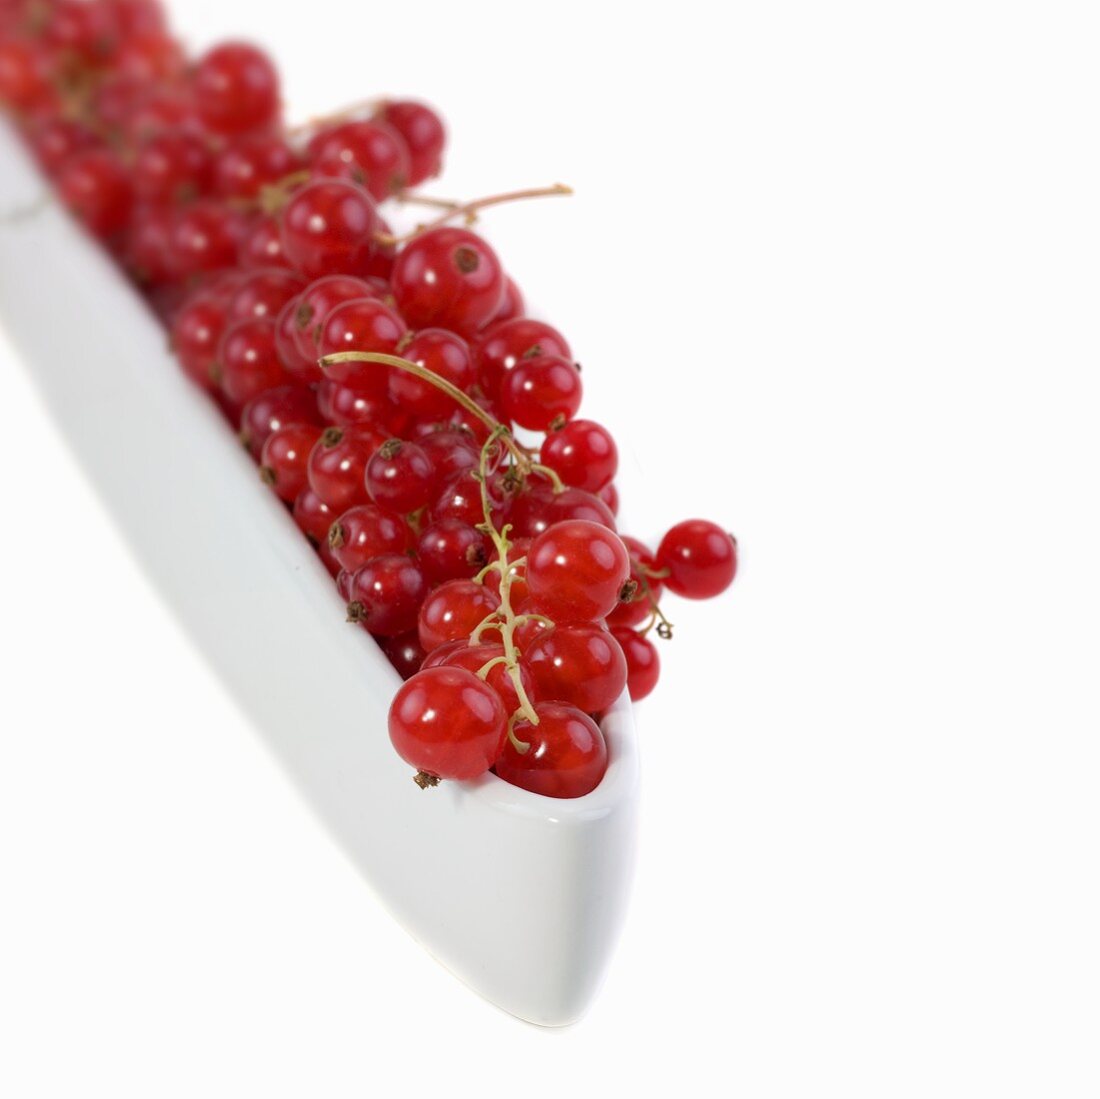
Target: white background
point(832, 274)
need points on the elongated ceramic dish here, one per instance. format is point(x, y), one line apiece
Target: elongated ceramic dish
point(521, 896)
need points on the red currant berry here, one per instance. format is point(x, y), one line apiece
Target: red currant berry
point(453, 611)
point(452, 451)
point(452, 550)
point(444, 354)
point(172, 166)
point(643, 665)
point(577, 571)
point(365, 532)
point(248, 363)
point(448, 724)
point(404, 653)
point(328, 229)
point(149, 58)
point(538, 507)
point(505, 343)
point(609, 495)
point(262, 244)
point(284, 456)
point(541, 391)
point(54, 140)
point(372, 154)
point(449, 278)
point(319, 299)
point(196, 332)
point(647, 590)
point(25, 76)
point(313, 516)
point(701, 559)
point(205, 237)
point(400, 477)
point(242, 169)
point(511, 305)
point(566, 755)
point(94, 185)
point(236, 89)
point(460, 499)
point(386, 594)
point(362, 325)
point(263, 293)
point(145, 253)
point(302, 368)
point(580, 664)
point(269, 411)
point(79, 29)
point(342, 405)
point(461, 654)
point(582, 453)
point(338, 463)
point(423, 134)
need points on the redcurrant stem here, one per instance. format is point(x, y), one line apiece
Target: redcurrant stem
point(489, 665)
point(352, 110)
point(469, 210)
point(413, 199)
point(497, 430)
point(273, 196)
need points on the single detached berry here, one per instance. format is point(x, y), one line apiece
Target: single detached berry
point(701, 559)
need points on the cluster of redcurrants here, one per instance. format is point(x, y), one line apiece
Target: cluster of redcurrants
point(375, 379)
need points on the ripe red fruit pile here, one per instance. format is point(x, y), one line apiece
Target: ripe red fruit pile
point(376, 380)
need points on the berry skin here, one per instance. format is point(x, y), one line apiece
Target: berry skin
point(269, 411)
point(637, 609)
point(386, 594)
point(541, 391)
point(577, 571)
point(196, 332)
point(452, 452)
point(317, 301)
point(244, 167)
point(580, 664)
point(283, 459)
point(459, 499)
point(262, 244)
point(404, 653)
point(582, 453)
point(400, 477)
point(461, 654)
point(701, 559)
point(364, 532)
point(444, 354)
point(24, 75)
point(338, 462)
point(54, 140)
point(452, 550)
point(172, 166)
point(328, 229)
point(511, 305)
point(453, 611)
point(365, 324)
point(422, 131)
point(313, 516)
point(447, 724)
point(643, 665)
point(94, 185)
point(236, 89)
point(248, 363)
point(372, 154)
point(505, 343)
point(566, 755)
point(205, 237)
point(448, 278)
point(609, 495)
point(264, 293)
point(341, 405)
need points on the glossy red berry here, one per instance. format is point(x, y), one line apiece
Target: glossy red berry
point(541, 391)
point(505, 343)
point(261, 244)
point(365, 324)
point(579, 664)
point(400, 477)
point(54, 140)
point(452, 451)
point(701, 559)
point(372, 154)
point(205, 237)
point(313, 516)
point(452, 550)
point(338, 463)
point(196, 332)
point(95, 186)
point(643, 664)
point(317, 301)
point(284, 457)
point(342, 405)
point(461, 654)
point(386, 594)
point(576, 571)
point(647, 587)
point(328, 229)
point(582, 453)
point(263, 293)
point(423, 134)
point(25, 75)
point(172, 166)
point(444, 354)
point(453, 611)
point(404, 653)
point(367, 531)
point(271, 410)
point(511, 305)
point(145, 252)
point(236, 89)
point(448, 724)
point(245, 166)
point(448, 278)
point(248, 363)
point(566, 754)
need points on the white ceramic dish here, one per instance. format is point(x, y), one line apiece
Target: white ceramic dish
point(519, 895)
